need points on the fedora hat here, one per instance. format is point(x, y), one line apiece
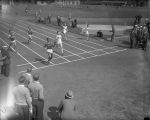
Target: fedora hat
point(69, 94)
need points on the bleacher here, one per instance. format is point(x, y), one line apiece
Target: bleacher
point(112, 2)
point(109, 2)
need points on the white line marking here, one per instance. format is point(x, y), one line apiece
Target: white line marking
point(78, 54)
point(26, 64)
point(75, 60)
point(20, 54)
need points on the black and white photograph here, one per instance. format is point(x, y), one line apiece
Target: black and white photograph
point(74, 59)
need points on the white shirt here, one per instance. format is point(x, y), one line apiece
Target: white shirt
point(87, 31)
point(59, 38)
point(64, 29)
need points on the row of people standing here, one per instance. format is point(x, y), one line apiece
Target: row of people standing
point(29, 100)
point(139, 36)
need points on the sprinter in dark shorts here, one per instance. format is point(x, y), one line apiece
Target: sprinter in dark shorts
point(30, 33)
point(49, 48)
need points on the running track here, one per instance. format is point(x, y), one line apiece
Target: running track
point(31, 55)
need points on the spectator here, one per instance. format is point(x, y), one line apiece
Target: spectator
point(28, 76)
point(36, 89)
point(6, 61)
point(62, 21)
point(49, 19)
point(22, 100)
point(26, 10)
point(74, 23)
point(58, 20)
point(67, 107)
point(113, 33)
point(36, 14)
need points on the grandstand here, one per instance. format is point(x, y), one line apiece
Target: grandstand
point(109, 2)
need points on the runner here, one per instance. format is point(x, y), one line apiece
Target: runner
point(49, 46)
point(59, 41)
point(11, 37)
point(87, 33)
point(65, 29)
point(30, 32)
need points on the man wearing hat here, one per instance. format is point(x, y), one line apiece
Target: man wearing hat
point(22, 100)
point(67, 107)
point(36, 89)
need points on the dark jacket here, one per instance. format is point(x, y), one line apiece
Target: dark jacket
point(67, 109)
point(6, 54)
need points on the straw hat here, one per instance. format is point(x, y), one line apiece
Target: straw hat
point(69, 94)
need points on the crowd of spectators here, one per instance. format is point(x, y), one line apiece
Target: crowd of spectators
point(59, 19)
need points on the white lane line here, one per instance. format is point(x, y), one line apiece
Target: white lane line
point(26, 64)
point(38, 61)
point(20, 55)
point(28, 47)
point(56, 30)
point(74, 55)
point(76, 60)
point(57, 54)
